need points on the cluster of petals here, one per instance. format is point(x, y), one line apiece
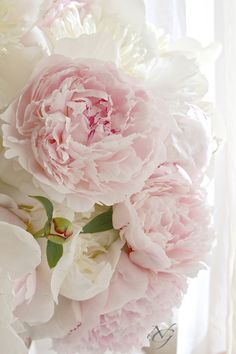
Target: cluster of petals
point(79, 129)
point(98, 110)
point(167, 225)
point(127, 310)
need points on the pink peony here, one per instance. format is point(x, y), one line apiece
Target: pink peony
point(86, 130)
point(168, 224)
point(130, 322)
point(189, 145)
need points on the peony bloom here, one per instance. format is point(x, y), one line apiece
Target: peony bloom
point(168, 224)
point(121, 318)
point(85, 270)
point(87, 131)
point(137, 42)
point(189, 145)
point(87, 265)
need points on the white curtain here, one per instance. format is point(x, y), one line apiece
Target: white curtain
point(207, 318)
point(211, 326)
point(226, 98)
point(169, 15)
point(202, 317)
point(202, 322)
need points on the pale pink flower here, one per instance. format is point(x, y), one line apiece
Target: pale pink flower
point(168, 224)
point(135, 311)
point(190, 144)
point(86, 130)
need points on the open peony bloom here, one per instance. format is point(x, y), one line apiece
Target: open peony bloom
point(168, 224)
point(87, 265)
point(121, 318)
point(86, 130)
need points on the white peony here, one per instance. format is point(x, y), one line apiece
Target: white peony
point(87, 265)
point(124, 22)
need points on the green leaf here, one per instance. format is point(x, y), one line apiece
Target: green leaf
point(63, 227)
point(59, 240)
point(47, 204)
point(54, 253)
point(101, 222)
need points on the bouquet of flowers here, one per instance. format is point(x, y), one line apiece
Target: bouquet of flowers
point(105, 142)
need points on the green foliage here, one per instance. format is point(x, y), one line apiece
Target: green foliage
point(54, 253)
point(101, 222)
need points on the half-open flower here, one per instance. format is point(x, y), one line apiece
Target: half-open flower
point(168, 224)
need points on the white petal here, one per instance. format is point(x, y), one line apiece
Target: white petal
point(16, 65)
point(10, 342)
point(130, 12)
point(193, 49)
point(98, 46)
point(174, 75)
point(41, 307)
point(62, 268)
point(6, 300)
point(19, 252)
point(17, 17)
point(67, 314)
point(78, 287)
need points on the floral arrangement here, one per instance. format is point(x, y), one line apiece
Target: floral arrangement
point(105, 143)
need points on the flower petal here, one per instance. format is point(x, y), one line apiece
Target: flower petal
point(11, 343)
point(98, 46)
point(19, 252)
